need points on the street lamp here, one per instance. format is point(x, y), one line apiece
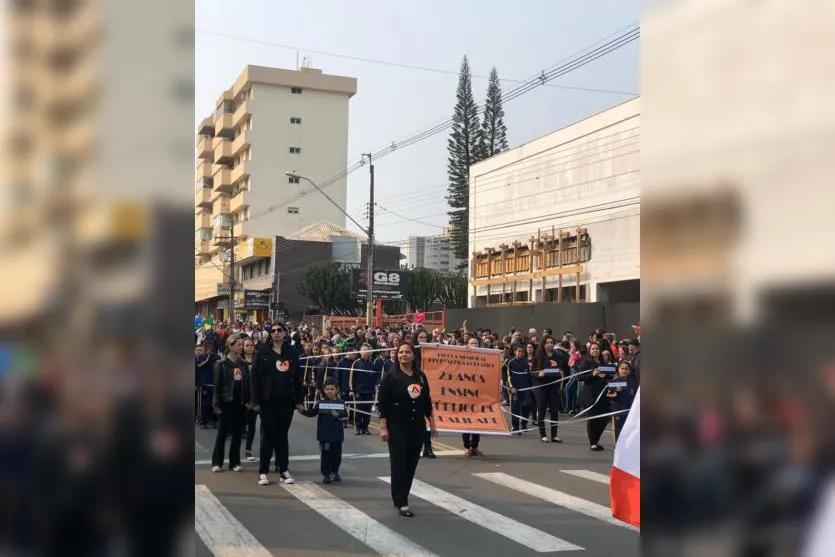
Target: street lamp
point(315, 185)
point(369, 309)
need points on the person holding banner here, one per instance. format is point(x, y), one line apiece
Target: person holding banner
point(519, 383)
point(471, 440)
point(405, 405)
point(421, 337)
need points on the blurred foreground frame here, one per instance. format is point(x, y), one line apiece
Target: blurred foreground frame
point(737, 281)
point(96, 252)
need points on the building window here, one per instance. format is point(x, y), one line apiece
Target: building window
point(295, 150)
point(296, 90)
point(295, 120)
point(292, 210)
point(293, 179)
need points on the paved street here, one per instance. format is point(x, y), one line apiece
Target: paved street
point(522, 498)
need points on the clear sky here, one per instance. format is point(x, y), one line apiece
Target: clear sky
point(520, 38)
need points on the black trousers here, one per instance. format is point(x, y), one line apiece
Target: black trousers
point(520, 405)
point(207, 413)
point(595, 427)
point(471, 440)
point(364, 403)
point(331, 457)
point(548, 397)
point(405, 443)
point(617, 424)
point(231, 419)
point(251, 419)
point(275, 426)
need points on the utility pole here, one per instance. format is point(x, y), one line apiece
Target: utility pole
point(369, 297)
point(232, 271)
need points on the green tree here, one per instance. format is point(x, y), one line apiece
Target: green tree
point(493, 129)
point(425, 286)
point(328, 285)
point(465, 147)
point(454, 291)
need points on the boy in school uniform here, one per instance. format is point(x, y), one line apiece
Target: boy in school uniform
point(329, 431)
point(519, 377)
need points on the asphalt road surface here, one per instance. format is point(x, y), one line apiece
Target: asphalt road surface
point(522, 498)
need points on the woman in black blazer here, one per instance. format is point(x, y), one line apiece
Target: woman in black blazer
point(405, 404)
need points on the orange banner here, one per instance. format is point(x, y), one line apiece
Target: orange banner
point(466, 391)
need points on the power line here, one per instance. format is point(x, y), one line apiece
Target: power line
point(396, 64)
point(406, 218)
point(562, 69)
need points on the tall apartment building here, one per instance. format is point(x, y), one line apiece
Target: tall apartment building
point(430, 252)
point(269, 122)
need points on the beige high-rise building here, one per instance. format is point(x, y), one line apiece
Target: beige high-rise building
point(269, 122)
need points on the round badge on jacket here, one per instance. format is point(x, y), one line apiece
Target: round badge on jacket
point(414, 390)
point(238, 375)
point(282, 365)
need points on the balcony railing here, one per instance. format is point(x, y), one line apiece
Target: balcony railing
point(224, 125)
point(221, 206)
point(205, 148)
point(240, 113)
point(239, 202)
point(239, 144)
point(222, 150)
point(203, 197)
point(239, 173)
point(222, 179)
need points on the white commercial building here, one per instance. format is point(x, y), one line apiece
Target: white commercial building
point(558, 218)
point(269, 122)
point(430, 252)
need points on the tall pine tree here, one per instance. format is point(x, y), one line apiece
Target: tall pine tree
point(465, 149)
point(493, 130)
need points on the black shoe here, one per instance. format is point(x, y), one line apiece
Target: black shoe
point(429, 453)
point(337, 477)
point(326, 479)
point(204, 426)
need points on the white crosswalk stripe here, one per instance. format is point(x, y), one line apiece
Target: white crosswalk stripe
point(221, 532)
point(520, 533)
point(370, 532)
point(555, 497)
point(588, 475)
point(225, 536)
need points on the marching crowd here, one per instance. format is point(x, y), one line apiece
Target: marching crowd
point(336, 375)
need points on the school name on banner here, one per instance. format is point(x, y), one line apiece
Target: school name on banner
point(465, 388)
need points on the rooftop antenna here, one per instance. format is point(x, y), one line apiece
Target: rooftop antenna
point(297, 60)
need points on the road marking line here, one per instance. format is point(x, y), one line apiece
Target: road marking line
point(523, 534)
point(221, 532)
point(308, 457)
point(435, 443)
point(555, 497)
point(370, 532)
point(588, 475)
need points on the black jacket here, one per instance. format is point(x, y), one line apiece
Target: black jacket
point(328, 428)
point(277, 379)
point(404, 400)
point(592, 385)
point(557, 360)
point(363, 377)
point(226, 374)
